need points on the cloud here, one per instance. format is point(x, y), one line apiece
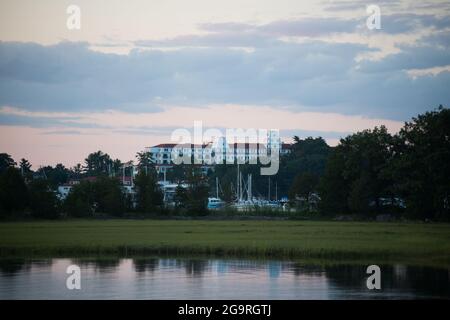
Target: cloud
point(249, 35)
point(337, 6)
point(62, 132)
point(69, 76)
point(19, 117)
point(311, 75)
point(409, 57)
point(415, 73)
point(409, 22)
point(41, 122)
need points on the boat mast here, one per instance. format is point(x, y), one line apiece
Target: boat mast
point(237, 183)
point(276, 190)
point(217, 187)
point(249, 194)
point(240, 186)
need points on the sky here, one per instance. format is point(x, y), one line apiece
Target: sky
point(137, 70)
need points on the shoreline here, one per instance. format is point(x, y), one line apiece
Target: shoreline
point(333, 258)
point(293, 240)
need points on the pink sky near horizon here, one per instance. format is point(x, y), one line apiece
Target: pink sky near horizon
point(122, 136)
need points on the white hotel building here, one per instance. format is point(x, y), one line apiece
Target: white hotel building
point(210, 154)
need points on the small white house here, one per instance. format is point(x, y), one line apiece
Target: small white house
point(63, 191)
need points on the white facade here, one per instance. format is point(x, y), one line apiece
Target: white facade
point(218, 152)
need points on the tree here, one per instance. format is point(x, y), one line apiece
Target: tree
point(228, 193)
point(117, 167)
point(307, 156)
point(6, 162)
point(361, 163)
point(25, 166)
point(81, 200)
point(227, 176)
point(98, 163)
point(177, 173)
point(144, 160)
point(303, 187)
point(76, 172)
point(197, 193)
point(422, 165)
point(360, 195)
point(181, 197)
point(103, 195)
point(43, 201)
point(55, 175)
point(148, 194)
point(25, 169)
point(333, 187)
point(13, 192)
point(108, 196)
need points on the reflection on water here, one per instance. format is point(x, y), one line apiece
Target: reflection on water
point(155, 278)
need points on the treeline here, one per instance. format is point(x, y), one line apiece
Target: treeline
point(99, 190)
point(373, 172)
point(368, 173)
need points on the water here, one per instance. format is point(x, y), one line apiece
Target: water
point(156, 278)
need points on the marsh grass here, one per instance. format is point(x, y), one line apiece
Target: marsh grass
point(426, 244)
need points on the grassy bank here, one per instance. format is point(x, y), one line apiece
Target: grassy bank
point(427, 244)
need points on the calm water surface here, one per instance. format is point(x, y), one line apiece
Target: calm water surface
point(156, 278)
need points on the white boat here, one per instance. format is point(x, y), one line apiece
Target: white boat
point(215, 203)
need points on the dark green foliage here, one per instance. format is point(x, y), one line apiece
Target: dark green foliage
point(333, 188)
point(144, 160)
point(178, 173)
point(99, 163)
point(80, 201)
point(43, 201)
point(104, 196)
point(181, 197)
point(357, 176)
point(372, 171)
point(193, 199)
point(360, 195)
point(307, 156)
point(149, 197)
point(422, 166)
point(13, 192)
point(108, 196)
point(76, 172)
point(304, 184)
point(6, 162)
point(25, 169)
point(55, 175)
point(302, 189)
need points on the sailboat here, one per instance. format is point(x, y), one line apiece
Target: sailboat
point(215, 202)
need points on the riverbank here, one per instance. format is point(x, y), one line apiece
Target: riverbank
point(417, 243)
